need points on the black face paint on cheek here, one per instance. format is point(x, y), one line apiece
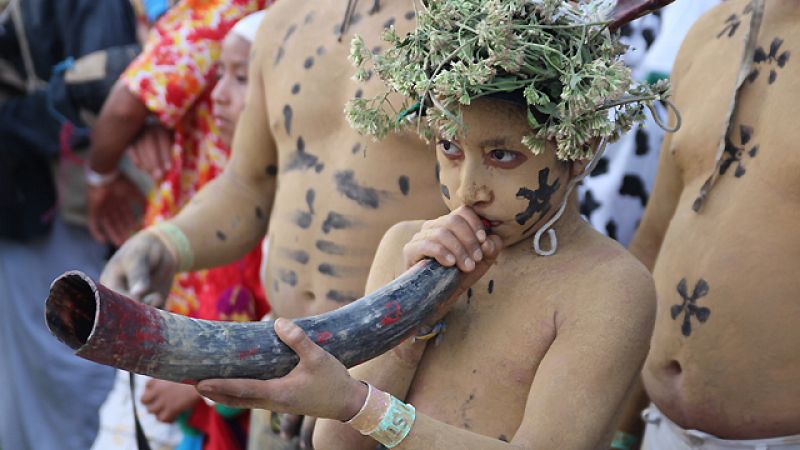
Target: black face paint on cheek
point(342, 297)
point(287, 276)
point(689, 305)
point(364, 196)
point(287, 119)
point(303, 219)
point(538, 200)
point(336, 221)
point(330, 248)
point(297, 255)
point(437, 169)
point(221, 236)
point(302, 160)
point(404, 184)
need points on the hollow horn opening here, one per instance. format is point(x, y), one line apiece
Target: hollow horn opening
point(71, 308)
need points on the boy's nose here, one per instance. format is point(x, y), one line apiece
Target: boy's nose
point(474, 189)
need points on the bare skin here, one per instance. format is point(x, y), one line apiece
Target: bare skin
point(734, 373)
point(327, 206)
point(537, 354)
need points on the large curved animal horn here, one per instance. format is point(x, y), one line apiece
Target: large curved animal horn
point(628, 10)
point(109, 328)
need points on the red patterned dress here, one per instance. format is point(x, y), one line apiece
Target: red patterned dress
point(174, 77)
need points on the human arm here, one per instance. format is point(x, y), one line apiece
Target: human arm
point(223, 221)
point(167, 400)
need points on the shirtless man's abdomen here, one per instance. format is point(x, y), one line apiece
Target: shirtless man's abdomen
point(337, 192)
point(725, 354)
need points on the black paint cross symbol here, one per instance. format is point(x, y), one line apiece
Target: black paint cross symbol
point(689, 306)
point(538, 200)
point(734, 154)
point(772, 59)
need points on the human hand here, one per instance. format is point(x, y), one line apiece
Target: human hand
point(152, 151)
point(111, 209)
point(318, 386)
point(293, 425)
point(457, 239)
point(142, 268)
point(166, 400)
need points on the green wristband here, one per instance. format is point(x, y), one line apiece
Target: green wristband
point(624, 441)
point(395, 424)
point(177, 242)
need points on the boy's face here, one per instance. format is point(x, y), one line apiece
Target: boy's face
point(231, 90)
point(489, 169)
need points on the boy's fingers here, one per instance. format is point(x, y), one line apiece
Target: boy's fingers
point(295, 338)
point(462, 230)
point(418, 250)
point(446, 238)
point(471, 217)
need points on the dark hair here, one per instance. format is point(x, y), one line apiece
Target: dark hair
point(518, 98)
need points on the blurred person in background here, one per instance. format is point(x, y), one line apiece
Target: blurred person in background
point(197, 86)
point(58, 61)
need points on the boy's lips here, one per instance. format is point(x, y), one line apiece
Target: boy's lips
point(489, 224)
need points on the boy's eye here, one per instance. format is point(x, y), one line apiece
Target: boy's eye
point(503, 156)
point(449, 149)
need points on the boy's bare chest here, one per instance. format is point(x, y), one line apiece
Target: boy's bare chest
point(479, 376)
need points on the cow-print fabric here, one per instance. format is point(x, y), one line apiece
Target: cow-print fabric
point(614, 195)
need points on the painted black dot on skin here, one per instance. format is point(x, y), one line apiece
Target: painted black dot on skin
point(410, 15)
point(271, 170)
point(491, 286)
point(309, 62)
point(328, 269)
point(376, 50)
point(320, 50)
point(221, 236)
point(296, 88)
point(287, 119)
point(341, 297)
point(404, 184)
point(259, 212)
point(359, 93)
point(436, 172)
point(356, 148)
point(278, 56)
point(503, 438)
point(445, 191)
point(389, 22)
point(309, 17)
point(289, 32)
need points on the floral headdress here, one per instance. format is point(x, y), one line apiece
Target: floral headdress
point(560, 54)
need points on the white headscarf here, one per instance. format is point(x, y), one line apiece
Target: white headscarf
point(247, 27)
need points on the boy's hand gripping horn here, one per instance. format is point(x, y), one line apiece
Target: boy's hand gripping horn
point(109, 328)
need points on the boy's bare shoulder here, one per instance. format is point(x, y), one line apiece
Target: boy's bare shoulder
point(607, 280)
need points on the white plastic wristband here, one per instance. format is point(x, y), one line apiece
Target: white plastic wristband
point(95, 179)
